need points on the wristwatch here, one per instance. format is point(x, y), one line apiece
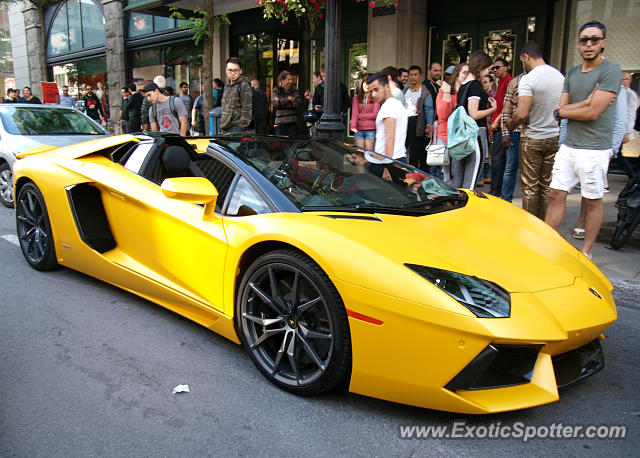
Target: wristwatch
point(556, 113)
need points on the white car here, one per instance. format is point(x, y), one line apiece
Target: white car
point(24, 126)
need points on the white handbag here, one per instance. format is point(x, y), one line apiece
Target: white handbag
point(437, 155)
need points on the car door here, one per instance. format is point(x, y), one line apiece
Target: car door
point(164, 239)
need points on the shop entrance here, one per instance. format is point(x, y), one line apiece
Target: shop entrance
point(452, 44)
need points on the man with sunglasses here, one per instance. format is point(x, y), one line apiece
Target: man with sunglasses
point(587, 102)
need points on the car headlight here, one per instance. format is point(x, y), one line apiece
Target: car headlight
point(483, 298)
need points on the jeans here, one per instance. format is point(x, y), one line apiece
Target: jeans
point(233, 130)
point(511, 168)
point(289, 129)
point(498, 160)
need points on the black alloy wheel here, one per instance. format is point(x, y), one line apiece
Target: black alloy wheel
point(293, 323)
point(6, 185)
point(34, 229)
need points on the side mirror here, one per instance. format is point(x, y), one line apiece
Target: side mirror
point(196, 190)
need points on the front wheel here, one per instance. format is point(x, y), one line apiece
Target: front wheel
point(293, 323)
point(6, 185)
point(34, 228)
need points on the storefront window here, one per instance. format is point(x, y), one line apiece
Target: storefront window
point(144, 24)
point(500, 44)
point(92, 24)
point(176, 63)
point(256, 53)
point(78, 24)
point(75, 24)
point(357, 64)
point(455, 49)
point(59, 35)
point(78, 75)
point(163, 23)
point(6, 61)
point(140, 24)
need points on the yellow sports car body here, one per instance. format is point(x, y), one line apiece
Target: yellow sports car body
point(332, 266)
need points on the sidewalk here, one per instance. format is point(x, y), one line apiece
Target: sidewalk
point(620, 266)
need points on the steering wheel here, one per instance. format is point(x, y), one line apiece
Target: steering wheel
point(324, 179)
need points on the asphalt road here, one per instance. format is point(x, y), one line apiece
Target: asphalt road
point(88, 370)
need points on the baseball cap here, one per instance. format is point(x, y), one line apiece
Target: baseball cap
point(150, 87)
point(449, 70)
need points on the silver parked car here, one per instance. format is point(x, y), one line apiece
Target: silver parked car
point(24, 126)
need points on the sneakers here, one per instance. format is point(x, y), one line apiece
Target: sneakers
point(587, 255)
point(578, 233)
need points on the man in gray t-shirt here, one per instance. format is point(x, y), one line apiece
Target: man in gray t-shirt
point(166, 114)
point(187, 100)
point(587, 102)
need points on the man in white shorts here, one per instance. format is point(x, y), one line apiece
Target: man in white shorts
point(587, 102)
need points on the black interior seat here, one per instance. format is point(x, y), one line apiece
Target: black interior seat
point(176, 162)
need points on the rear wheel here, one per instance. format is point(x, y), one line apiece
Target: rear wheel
point(628, 220)
point(6, 185)
point(34, 228)
point(293, 323)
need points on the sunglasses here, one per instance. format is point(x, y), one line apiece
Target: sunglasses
point(594, 40)
point(496, 67)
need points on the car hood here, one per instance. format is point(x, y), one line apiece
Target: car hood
point(488, 238)
point(24, 142)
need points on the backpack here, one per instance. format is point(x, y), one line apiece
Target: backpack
point(462, 132)
point(172, 107)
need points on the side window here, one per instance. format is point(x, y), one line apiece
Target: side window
point(219, 174)
point(245, 201)
point(136, 159)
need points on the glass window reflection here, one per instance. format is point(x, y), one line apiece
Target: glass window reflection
point(92, 24)
point(140, 24)
point(75, 25)
point(58, 37)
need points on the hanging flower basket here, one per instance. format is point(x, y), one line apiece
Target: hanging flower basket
point(310, 10)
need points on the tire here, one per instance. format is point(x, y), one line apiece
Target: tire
point(293, 324)
point(34, 229)
point(6, 185)
point(628, 220)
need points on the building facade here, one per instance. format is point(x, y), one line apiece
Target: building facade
point(107, 43)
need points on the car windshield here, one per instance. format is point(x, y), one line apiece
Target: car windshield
point(47, 121)
point(331, 175)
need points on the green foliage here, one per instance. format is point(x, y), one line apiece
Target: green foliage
point(310, 10)
point(198, 22)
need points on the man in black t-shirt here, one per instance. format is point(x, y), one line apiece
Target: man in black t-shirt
point(260, 109)
point(92, 105)
point(133, 107)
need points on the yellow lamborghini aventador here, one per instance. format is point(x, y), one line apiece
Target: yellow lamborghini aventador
point(332, 266)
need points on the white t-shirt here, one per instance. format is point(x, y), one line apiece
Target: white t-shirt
point(392, 108)
point(544, 83)
point(411, 97)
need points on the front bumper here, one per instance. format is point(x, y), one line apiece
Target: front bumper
point(418, 350)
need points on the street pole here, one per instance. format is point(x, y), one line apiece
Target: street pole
point(330, 125)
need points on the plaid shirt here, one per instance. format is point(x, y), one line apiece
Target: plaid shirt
point(509, 108)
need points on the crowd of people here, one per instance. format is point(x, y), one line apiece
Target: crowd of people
point(554, 132)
